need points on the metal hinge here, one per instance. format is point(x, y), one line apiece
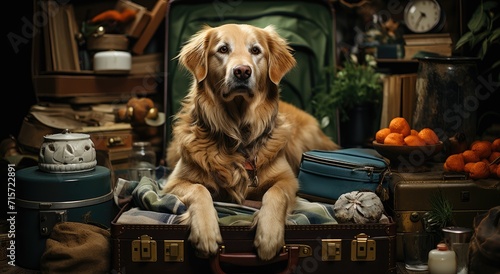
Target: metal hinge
point(363, 249)
point(144, 249)
point(331, 250)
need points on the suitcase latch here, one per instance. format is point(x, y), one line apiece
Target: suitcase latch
point(304, 250)
point(331, 250)
point(362, 248)
point(173, 250)
point(144, 249)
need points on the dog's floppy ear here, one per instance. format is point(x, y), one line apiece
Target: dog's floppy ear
point(194, 55)
point(280, 58)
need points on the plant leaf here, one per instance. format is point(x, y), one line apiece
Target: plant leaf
point(494, 36)
point(464, 39)
point(325, 121)
point(496, 64)
point(483, 50)
point(478, 20)
point(479, 38)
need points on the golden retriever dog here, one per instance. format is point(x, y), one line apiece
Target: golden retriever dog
point(233, 139)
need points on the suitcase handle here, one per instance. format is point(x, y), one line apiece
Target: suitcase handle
point(290, 253)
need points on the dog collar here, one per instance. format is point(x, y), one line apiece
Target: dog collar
point(251, 169)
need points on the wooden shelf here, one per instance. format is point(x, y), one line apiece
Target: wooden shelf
point(58, 85)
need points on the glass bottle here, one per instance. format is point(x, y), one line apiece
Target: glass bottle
point(442, 260)
point(142, 161)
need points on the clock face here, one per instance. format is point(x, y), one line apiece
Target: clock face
point(421, 16)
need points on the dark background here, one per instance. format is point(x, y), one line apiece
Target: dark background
point(17, 89)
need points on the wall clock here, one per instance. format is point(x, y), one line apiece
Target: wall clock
point(424, 16)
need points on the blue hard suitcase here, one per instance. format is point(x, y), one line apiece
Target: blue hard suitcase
point(44, 199)
point(326, 175)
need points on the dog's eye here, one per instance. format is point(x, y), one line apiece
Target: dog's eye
point(223, 49)
point(255, 50)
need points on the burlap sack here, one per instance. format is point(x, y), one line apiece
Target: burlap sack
point(77, 248)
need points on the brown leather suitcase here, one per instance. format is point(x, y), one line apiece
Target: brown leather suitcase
point(411, 193)
point(333, 248)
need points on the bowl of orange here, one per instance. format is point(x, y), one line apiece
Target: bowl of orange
point(408, 155)
point(403, 145)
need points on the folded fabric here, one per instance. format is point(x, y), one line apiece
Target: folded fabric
point(154, 207)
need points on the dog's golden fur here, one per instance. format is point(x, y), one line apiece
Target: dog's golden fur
point(233, 139)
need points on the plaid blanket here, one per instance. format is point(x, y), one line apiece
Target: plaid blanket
point(151, 206)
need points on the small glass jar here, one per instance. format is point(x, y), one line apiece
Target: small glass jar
point(442, 260)
point(142, 161)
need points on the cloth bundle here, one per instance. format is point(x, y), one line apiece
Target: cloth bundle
point(154, 207)
point(484, 251)
point(77, 248)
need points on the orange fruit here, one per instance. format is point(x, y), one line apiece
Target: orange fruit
point(454, 162)
point(413, 132)
point(468, 166)
point(493, 169)
point(400, 125)
point(479, 170)
point(482, 149)
point(381, 134)
point(429, 136)
point(470, 156)
point(412, 140)
point(495, 145)
point(493, 156)
point(394, 138)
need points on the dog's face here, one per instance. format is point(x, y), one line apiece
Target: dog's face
point(238, 61)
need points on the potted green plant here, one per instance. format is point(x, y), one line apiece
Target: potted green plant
point(354, 96)
point(483, 32)
point(482, 39)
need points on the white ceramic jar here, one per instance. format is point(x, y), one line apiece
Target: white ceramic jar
point(67, 152)
point(442, 260)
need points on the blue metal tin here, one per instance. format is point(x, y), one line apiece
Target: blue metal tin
point(44, 199)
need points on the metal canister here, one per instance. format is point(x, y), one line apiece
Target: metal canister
point(458, 239)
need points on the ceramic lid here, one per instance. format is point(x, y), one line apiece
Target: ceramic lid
point(67, 152)
point(66, 135)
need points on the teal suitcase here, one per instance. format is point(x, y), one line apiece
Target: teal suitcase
point(325, 175)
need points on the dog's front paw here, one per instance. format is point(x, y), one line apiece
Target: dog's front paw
point(269, 240)
point(205, 234)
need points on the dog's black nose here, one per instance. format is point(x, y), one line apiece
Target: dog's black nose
point(242, 72)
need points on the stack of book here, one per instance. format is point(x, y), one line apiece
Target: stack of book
point(435, 43)
point(399, 97)
point(59, 42)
